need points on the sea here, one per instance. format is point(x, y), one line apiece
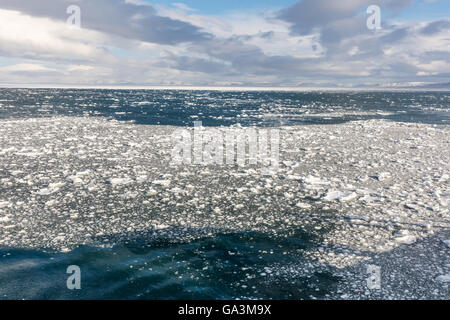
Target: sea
point(220, 265)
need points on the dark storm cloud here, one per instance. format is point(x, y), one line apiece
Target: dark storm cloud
point(117, 17)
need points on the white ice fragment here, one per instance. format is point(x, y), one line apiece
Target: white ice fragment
point(444, 278)
point(59, 239)
point(163, 183)
point(369, 199)
point(383, 176)
point(75, 179)
point(339, 196)
point(4, 204)
point(44, 192)
point(51, 203)
point(291, 164)
point(4, 219)
point(302, 205)
point(120, 181)
point(406, 239)
point(161, 226)
point(52, 188)
point(176, 190)
point(447, 243)
point(141, 179)
point(315, 181)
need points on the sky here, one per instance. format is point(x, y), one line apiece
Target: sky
point(251, 43)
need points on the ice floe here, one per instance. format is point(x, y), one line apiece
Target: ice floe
point(339, 196)
point(106, 182)
point(444, 278)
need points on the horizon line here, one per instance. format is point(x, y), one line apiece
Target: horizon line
point(217, 88)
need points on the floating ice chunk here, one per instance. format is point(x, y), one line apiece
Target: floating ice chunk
point(447, 243)
point(59, 238)
point(163, 183)
point(120, 181)
point(303, 205)
point(291, 164)
point(444, 278)
point(176, 190)
point(369, 199)
point(339, 196)
point(4, 204)
point(75, 180)
point(141, 179)
point(406, 239)
point(51, 203)
point(383, 176)
point(52, 188)
point(161, 226)
point(4, 219)
point(315, 181)
point(152, 192)
point(92, 188)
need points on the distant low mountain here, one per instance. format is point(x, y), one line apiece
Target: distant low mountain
point(410, 85)
point(445, 85)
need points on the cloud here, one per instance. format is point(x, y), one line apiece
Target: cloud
point(41, 38)
point(436, 27)
point(25, 67)
point(335, 20)
point(130, 42)
point(127, 19)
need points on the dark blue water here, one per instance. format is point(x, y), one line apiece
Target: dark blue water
point(216, 108)
point(224, 266)
point(228, 266)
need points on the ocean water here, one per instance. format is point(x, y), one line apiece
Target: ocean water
point(216, 108)
point(227, 264)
